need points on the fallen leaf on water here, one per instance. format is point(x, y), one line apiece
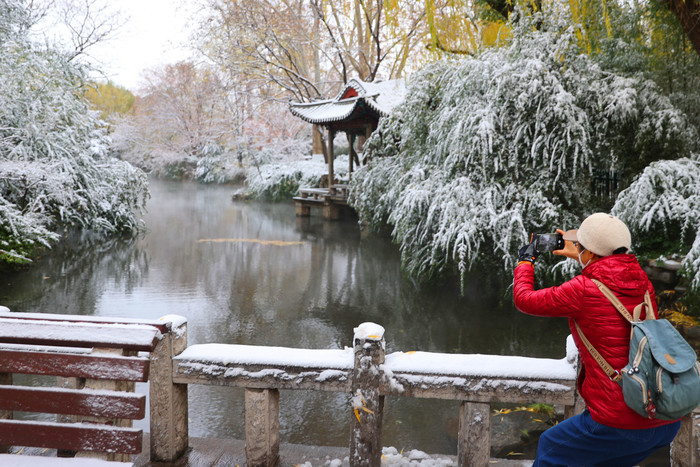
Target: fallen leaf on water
point(249, 240)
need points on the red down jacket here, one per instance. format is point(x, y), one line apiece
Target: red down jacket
point(580, 299)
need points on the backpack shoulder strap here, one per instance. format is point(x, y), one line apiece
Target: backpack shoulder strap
point(616, 301)
point(607, 368)
point(647, 305)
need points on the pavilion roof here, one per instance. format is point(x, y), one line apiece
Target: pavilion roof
point(380, 97)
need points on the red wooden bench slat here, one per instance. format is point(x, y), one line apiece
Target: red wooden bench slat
point(57, 333)
point(163, 326)
point(77, 365)
point(72, 437)
point(107, 404)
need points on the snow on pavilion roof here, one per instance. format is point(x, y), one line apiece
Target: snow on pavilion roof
point(381, 97)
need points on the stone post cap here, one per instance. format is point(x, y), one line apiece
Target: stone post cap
point(369, 332)
point(178, 324)
point(175, 320)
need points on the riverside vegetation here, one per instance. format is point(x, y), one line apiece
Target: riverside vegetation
point(485, 149)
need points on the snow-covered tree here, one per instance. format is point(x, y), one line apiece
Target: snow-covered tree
point(54, 165)
point(485, 150)
point(662, 209)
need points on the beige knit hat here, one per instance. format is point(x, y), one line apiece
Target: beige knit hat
point(601, 234)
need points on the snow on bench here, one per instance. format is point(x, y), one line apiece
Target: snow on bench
point(95, 361)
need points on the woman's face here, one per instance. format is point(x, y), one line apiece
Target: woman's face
point(585, 257)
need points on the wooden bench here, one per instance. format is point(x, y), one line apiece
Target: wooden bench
point(87, 368)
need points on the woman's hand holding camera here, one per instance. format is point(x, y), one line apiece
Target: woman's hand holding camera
point(528, 253)
point(540, 243)
point(569, 250)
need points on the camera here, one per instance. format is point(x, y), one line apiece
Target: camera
point(548, 242)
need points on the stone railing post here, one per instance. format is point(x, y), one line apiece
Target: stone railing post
point(573, 357)
point(262, 427)
point(168, 401)
point(474, 443)
point(367, 403)
point(685, 449)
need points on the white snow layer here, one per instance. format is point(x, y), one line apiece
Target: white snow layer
point(497, 366)
point(369, 331)
point(118, 334)
point(175, 320)
point(39, 461)
point(227, 354)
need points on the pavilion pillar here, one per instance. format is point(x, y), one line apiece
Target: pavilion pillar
point(353, 154)
point(317, 140)
point(331, 156)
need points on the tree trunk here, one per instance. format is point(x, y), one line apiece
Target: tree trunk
point(688, 14)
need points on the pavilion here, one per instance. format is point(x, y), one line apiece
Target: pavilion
point(356, 110)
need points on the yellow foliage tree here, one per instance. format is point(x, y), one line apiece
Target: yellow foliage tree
point(110, 99)
point(462, 26)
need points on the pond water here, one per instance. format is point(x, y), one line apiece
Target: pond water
point(253, 273)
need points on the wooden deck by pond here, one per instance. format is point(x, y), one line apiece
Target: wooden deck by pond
point(333, 201)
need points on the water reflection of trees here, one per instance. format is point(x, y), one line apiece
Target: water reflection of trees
point(313, 295)
point(71, 277)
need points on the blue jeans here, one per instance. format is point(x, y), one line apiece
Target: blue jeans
point(581, 441)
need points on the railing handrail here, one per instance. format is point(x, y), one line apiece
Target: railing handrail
point(410, 374)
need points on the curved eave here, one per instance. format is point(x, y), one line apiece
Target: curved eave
point(371, 102)
point(326, 112)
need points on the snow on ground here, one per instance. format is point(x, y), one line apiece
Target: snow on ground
point(391, 456)
point(38, 461)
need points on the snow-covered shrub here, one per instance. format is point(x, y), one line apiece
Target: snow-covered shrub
point(691, 264)
point(662, 209)
point(485, 150)
point(54, 165)
point(222, 168)
point(276, 181)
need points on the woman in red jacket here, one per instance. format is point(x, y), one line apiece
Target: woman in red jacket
point(607, 433)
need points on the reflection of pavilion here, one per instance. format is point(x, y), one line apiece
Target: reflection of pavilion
point(356, 111)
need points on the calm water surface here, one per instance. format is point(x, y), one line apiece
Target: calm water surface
point(253, 273)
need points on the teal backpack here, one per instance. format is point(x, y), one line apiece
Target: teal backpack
point(662, 378)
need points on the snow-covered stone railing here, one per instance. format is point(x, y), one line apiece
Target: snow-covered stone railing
point(367, 373)
point(96, 362)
